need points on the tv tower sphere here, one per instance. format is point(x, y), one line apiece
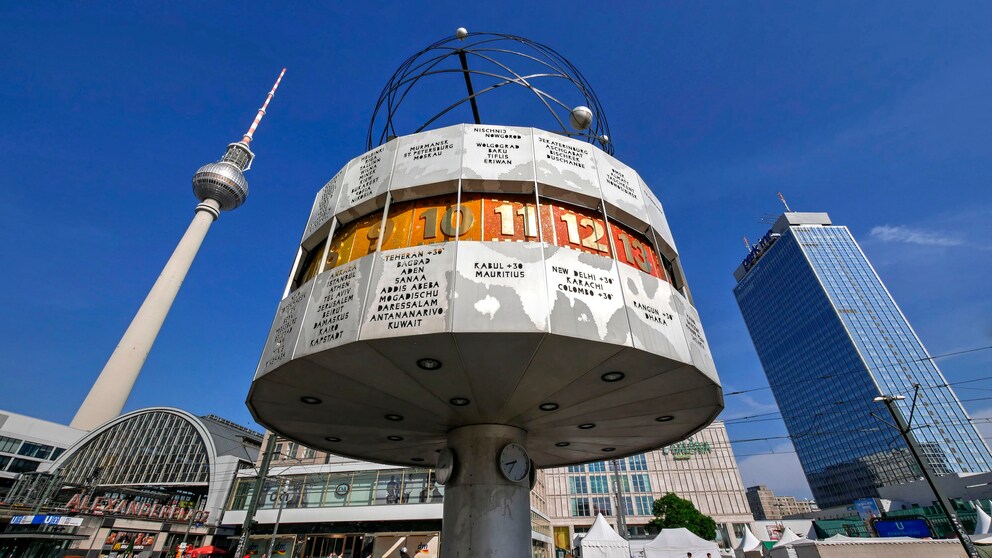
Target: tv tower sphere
point(486, 298)
point(221, 181)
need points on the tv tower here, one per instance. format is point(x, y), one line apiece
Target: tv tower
point(219, 186)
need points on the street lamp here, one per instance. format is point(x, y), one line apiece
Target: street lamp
point(945, 504)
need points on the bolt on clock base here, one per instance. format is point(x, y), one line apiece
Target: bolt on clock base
point(485, 513)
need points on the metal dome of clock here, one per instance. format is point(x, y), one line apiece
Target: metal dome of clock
point(494, 297)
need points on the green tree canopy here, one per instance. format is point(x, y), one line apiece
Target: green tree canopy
point(672, 512)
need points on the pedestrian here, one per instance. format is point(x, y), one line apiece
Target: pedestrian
point(404, 553)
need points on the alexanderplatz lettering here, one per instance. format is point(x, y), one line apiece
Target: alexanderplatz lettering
point(114, 506)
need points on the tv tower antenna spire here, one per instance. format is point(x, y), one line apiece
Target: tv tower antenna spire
point(219, 186)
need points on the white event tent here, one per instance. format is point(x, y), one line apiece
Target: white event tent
point(677, 543)
point(783, 547)
point(983, 522)
point(603, 542)
point(750, 546)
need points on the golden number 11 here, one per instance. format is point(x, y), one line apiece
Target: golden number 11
point(528, 214)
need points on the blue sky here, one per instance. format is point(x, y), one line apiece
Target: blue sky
point(876, 113)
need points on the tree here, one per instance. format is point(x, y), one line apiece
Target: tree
point(672, 512)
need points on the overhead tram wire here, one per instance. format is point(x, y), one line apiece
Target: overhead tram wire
point(924, 359)
point(746, 419)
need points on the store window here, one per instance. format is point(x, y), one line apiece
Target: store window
point(415, 488)
point(389, 488)
point(313, 491)
point(362, 489)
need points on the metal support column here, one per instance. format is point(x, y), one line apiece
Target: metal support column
point(485, 514)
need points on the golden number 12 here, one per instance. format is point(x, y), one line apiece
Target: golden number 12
point(591, 241)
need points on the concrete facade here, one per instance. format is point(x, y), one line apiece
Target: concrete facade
point(701, 469)
point(766, 505)
point(29, 444)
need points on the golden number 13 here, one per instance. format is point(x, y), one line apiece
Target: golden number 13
point(635, 252)
point(591, 241)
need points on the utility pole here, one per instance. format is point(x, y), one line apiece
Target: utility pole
point(928, 474)
point(621, 513)
point(190, 522)
point(256, 495)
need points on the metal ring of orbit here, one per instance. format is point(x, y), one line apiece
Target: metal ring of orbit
point(484, 47)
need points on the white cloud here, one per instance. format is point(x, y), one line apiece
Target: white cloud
point(886, 233)
point(777, 468)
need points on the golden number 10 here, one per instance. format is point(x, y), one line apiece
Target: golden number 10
point(465, 220)
point(635, 252)
point(528, 214)
point(591, 241)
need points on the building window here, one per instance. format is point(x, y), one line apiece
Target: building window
point(23, 466)
point(580, 507)
point(640, 483)
point(645, 505)
point(599, 484)
point(601, 504)
point(4, 460)
point(597, 467)
point(576, 468)
point(637, 462)
point(9, 445)
point(628, 505)
point(577, 485)
point(40, 451)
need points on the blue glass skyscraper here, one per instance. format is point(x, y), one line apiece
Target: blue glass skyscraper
point(830, 339)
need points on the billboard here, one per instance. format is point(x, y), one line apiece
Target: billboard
point(916, 527)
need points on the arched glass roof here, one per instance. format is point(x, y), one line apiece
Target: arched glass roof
point(155, 447)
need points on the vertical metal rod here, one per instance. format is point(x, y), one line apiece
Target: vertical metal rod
point(945, 504)
point(46, 492)
point(189, 523)
point(621, 513)
point(256, 495)
point(468, 85)
point(275, 529)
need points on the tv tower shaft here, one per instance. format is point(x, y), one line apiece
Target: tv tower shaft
point(220, 186)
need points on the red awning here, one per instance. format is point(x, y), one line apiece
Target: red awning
point(207, 551)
